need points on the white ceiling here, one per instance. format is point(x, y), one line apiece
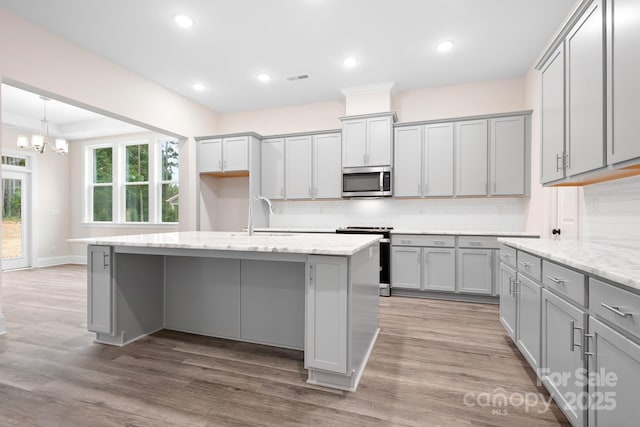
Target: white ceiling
point(24, 110)
point(233, 41)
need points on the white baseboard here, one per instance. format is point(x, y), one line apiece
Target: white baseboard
point(60, 260)
point(2, 329)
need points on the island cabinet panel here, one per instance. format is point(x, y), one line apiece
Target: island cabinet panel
point(203, 295)
point(327, 321)
point(614, 392)
point(100, 290)
point(562, 339)
point(508, 300)
point(272, 295)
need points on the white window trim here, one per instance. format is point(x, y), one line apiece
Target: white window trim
point(119, 184)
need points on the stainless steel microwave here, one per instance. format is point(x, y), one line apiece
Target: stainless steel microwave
point(366, 182)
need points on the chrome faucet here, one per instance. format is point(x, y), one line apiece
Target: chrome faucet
point(250, 221)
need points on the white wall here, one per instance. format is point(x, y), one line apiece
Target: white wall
point(36, 59)
point(611, 211)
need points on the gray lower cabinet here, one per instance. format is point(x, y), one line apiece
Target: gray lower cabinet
point(475, 271)
point(528, 295)
point(616, 361)
point(327, 316)
point(405, 269)
point(508, 300)
point(562, 354)
point(439, 269)
point(100, 298)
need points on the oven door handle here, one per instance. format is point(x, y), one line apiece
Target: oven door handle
point(385, 240)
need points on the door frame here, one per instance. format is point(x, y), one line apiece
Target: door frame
point(28, 206)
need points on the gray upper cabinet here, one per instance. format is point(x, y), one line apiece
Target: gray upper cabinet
point(408, 162)
point(273, 168)
point(327, 166)
point(438, 160)
point(585, 146)
point(553, 126)
point(298, 167)
point(367, 140)
point(223, 155)
point(624, 84)
point(471, 158)
point(507, 159)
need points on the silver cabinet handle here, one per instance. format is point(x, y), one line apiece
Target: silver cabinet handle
point(556, 280)
point(105, 260)
point(525, 264)
point(567, 164)
point(505, 255)
point(406, 242)
point(439, 242)
point(224, 164)
point(510, 286)
point(475, 243)
point(558, 158)
point(616, 310)
point(515, 287)
point(573, 344)
point(220, 164)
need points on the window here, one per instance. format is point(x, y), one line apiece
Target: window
point(133, 182)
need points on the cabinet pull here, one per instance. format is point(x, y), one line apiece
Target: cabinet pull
point(105, 260)
point(220, 164)
point(573, 344)
point(505, 256)
point(510, 286)
point(475, 243)
point(224, 164)
point(525, 264)
point(515, 287)
point(586, 344)
point(439, 242)
point(616, 310)
point(567, 164)
point(558, 166)
point(556, 280)
point(406, 242)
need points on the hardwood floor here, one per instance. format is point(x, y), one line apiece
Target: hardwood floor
point(431, 357)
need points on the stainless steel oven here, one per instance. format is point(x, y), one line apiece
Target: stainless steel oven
point(366, 182)
point(385, 252)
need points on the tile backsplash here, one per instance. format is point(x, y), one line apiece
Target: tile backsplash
point(490, 214)
point(611, 210)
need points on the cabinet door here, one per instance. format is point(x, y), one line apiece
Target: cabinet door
point(616, 362)
point(298, 167)
point(327, 166)
point(507, 157)
point(475, 271)
point(471, 158)
point(508, 300)
point(585, 89)
point(552, 118)
point(407, 170)
point(327, 323)
point(561, 353)
point(439, 269)
point(235, 154)
point(273, 168)
point(528, 294)
point(100, 298)
point(354, 144)
point(405, 267)
point(438, 160)
point(379, 136)
point(624, 84)
point(210, 156)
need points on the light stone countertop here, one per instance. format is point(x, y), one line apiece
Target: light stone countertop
point(294, 230)
point(615, 262)
point(463, 232)
point(316, 244)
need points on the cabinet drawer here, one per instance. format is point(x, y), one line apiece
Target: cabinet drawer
point(564, 281)
point(423, 240)
point(618, 306)
point(508, 255)
point(530, 265)
point(485, 242)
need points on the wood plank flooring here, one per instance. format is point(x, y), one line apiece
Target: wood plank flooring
point(431, 357)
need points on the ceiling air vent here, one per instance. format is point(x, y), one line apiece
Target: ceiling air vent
point(298, 77)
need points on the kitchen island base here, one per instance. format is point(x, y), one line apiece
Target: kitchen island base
point(325, 305)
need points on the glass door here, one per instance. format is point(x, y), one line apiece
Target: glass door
point(15, 227)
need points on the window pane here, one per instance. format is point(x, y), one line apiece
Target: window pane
point(102, 203)
point(137, 163)
point(169, 151)
point(14, 161)
point(137, 204)
point(102, 165)
point(11, 218)
point(170, 198)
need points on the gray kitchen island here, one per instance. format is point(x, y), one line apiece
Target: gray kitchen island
point(313, 292)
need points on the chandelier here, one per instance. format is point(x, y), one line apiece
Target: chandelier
point(39, 142)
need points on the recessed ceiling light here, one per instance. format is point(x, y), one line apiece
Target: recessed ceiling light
point(445, 46)
point(198, 86)
point(183, 20)
point(264, 77)
point(350, 62)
